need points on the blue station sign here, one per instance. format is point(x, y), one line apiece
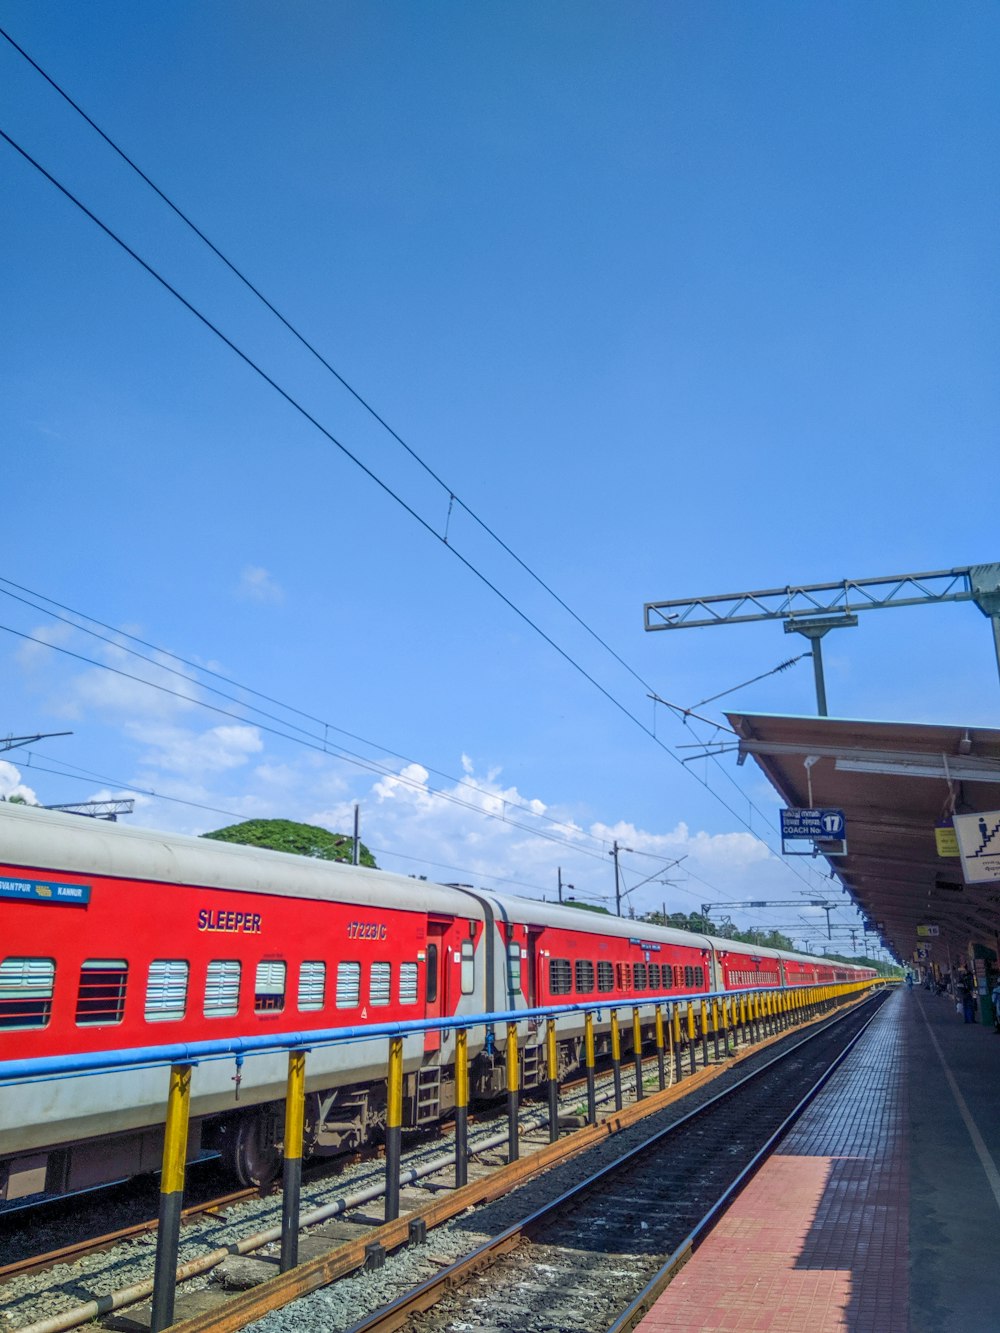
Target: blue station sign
point(44, 891)
point(814, 824)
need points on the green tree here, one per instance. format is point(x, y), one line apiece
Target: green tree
point(585, 907)
point(285, 835)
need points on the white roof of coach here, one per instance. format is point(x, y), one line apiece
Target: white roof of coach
point(74, 844)
point(531, 912)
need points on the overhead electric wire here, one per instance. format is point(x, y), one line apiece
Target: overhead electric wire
point(454, 498)
point(293, 402)
point(384, 486)
point(370, 765)
point(334, 748)
point(81, 775)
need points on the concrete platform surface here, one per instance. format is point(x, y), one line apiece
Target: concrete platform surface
point(880, 1213)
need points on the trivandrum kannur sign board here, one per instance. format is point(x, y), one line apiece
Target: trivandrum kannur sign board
point(979, 846)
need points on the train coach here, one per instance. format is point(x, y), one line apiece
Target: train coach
point(115, 938)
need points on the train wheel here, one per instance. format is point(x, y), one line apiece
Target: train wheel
point(249, 1150)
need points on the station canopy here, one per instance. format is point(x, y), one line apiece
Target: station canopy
point(898, 785)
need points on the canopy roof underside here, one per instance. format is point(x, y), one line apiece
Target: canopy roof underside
point(894, 781)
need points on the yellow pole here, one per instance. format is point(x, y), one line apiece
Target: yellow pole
point(171, 1197)
point(616, 1058)
point(512, 1093)
point(295, 1111)
point(660, 1045)
point(637, 1052)
point(393, 1128)
point(552, 1056)
point(589, 1056)
point(461, 1108)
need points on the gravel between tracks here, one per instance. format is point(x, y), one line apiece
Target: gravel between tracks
point(344, 1303)
point(37, 1296)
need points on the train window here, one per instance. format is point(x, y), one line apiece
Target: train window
point(699, 977)
point(380, 983)
point(222, 988)
point(312, 986)
point(26, 992)
point(654, 976)
point(584, 976)
point(560, 976)
point(432, 973)
point(269, 987)
point(688, 976)
point(605, 976)
point(514, 968)
point(468, 968)
point(166, 990)
point(640, 976)
point(407, 983)
point(348, 985)
point(101, 997)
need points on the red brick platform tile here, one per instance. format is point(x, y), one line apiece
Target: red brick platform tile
point(818, 1240)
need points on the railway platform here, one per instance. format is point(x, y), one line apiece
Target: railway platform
point(880, 1211)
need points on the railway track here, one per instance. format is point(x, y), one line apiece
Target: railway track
point(86, 1263)
point(129, 1252)
point(596, 1255)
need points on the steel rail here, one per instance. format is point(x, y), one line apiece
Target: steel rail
point(644, 1301)
point(68, 1254)
point(427, 1294)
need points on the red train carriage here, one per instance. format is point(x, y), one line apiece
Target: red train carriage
point(117, 938)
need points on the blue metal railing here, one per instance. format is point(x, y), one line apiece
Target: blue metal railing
point(178, 1053)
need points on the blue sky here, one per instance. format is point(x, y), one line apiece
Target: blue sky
point(675, 299)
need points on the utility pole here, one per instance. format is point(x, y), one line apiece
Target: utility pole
point(561, 884)
point(615, 849)
point(357, 835)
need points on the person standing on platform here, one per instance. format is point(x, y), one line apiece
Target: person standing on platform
point(995, 998)
point(966, 998)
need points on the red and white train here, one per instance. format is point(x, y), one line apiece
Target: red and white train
point(114, 938)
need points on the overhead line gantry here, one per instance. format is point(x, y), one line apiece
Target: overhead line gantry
point(816, 608)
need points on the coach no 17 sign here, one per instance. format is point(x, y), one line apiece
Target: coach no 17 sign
point(812, 824)
point(813, 827)
point(979, 846)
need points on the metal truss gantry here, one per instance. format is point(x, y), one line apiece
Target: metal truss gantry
point(814, 609)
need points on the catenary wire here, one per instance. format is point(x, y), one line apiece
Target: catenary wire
point(454, 498)
point(113, 639)
point(84, 775)
point(368, 407)
point(384, 486)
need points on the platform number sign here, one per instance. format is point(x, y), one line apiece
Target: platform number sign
point(813, 826)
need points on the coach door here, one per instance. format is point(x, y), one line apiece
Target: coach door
point(530, 980)
point(436, 980)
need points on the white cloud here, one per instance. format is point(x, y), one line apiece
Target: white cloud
point(195, 754)
point(11, 784)
point(32, 656)
point(258, 585)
